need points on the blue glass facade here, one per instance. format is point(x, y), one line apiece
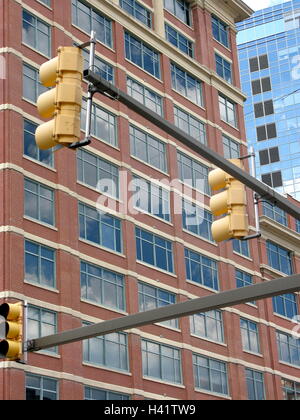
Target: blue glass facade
point(269, 56)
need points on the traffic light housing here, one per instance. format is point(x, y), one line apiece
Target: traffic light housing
point(63, 102)
point(11, 345)
point(231, 203)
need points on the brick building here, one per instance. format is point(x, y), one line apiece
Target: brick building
point(76, 256)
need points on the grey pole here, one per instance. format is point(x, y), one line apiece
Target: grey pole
point(90, 94)
point(263, 190)
point(204, 304)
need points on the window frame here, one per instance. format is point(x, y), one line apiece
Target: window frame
point(200, 260)
point(219, 28)
point(187, 80)
point(224, 68)
point(114, 281)
point(112, 172)
point(211, 365)
point(158, 244)
point(160, 298)
point(41, 387)
point(250, 336)
point(159, 357)
point(37, 195)
point(212, 322)
point(179, 41)
point(276, 250)
point(115, 224)
point(148, 22)
point(224, 103)
point(150, 142)
point(195, 229)
point(145, 52)
point(39, 256)
point(35, 46)
point(252, 375)
point(93, 15)
point(103, 344)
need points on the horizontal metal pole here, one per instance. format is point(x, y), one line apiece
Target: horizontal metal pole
point(204, 304)
point(264, 191)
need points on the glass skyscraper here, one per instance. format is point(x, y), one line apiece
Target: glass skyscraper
point(269, 56)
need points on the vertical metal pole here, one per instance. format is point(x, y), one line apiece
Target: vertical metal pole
point(253, 173)
point(90, 94)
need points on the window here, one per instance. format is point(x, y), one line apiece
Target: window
point(39, 264)
point(255, 385)
point(89, 19)
point(143, 56)
point(154, 250)
point(275, 213)
point(268, 156)
point(231, 148)
point(30, 148)
point(259, 63)
point(261, 85)
point(208, 325)
point(162, 362)
point(100, 228)
point(210, 375)
point(186, 85)
point(279, 258)
point(223, 68)
point(103, 124)
point(288, 348)
point(145, 96)
point(220, 31)
point(101, 68)
point(201, 269)
point(109, 350)
point(32, 88)
point(151, 198)
point(250, 337)
point(190, 125)
point(151, 297)
point(193, 173)
point(291, 390)
point(180, 9)
point(266, 132)
point(273, 179)
point(179, 41)
point(41, 322)
point(138, 11)
point(243, 279)
point(262, 109)
point(41, 388)
point(148, 148)
point(47, 2)
point(286, 305)
point(241, 247)
point(97, 173)
point(197, 220)
point(102, 286)
point(96, 394)
point(227, 110)
point(298, 226)
point(38, 202)
point(36, 33)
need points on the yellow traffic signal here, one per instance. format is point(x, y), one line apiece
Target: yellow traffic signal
point(11, 345)
point(231, 202)
point(63, 102)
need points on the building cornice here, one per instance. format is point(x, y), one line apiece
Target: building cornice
point(236, 10)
